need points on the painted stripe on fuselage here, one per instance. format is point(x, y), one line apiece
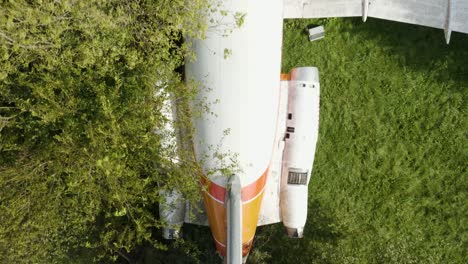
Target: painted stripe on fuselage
point(216, 211)
point(252, 196)
point(250, 191)
point(216, 191)
point(285, 77)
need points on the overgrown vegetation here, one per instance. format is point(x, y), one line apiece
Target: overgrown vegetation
point(82, 84)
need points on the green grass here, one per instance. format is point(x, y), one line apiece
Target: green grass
point(389, 181)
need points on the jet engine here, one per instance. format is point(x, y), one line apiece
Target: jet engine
point(300, 139)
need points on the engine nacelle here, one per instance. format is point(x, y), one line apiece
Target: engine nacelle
point(172, 212)
point(299, 148)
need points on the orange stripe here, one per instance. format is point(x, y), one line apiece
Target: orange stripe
point(248, 192)
point(216, 213)
point(285, 77)
point(220, 248)
point(246, 247)
point(253, 189)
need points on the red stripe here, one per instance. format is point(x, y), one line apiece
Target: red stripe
point(221, 249)
point(246, 247)
point(248, 192)
point(214, 189)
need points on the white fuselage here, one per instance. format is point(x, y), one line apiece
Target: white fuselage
point(239, 76)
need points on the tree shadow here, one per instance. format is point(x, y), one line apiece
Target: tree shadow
point(418, 47)
point(272, 245)
point(195, 246)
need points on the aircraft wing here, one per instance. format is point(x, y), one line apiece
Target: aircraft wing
point(450, 15)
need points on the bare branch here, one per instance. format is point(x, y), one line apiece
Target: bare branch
point(11, 42)
point(123, 255)
point(6, 118)
point(5, 36)
point(8, 107)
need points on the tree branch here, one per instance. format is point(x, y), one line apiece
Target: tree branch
point(5, 36)
point(12, 42)
point(123, 255)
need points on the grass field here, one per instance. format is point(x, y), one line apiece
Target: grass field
point(390, 177)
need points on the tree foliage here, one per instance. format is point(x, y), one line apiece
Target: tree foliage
point(82, 85)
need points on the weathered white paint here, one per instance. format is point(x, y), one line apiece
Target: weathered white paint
point(431, 13)
point(300, 143)
point(242, 87)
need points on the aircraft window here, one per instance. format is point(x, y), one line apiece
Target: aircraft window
point(290, 129)
point(289, 116)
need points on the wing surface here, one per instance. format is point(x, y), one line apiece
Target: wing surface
point(450, 15)
point(321, 8)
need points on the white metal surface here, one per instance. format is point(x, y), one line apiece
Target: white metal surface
point(240, 88)
point(316, 33)
point(172, 212)
point(300, 143)
point(365, 9)
point(270, 210)
point(172, 209)
point(321, 8)
point(448, 21)
point(459, 18)
point(431, 13)
point(196, 214)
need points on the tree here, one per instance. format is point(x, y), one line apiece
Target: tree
point(82, 84)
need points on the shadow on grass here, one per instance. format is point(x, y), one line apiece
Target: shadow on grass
point(272, 245)
point(417, 47)
point(195, 246)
